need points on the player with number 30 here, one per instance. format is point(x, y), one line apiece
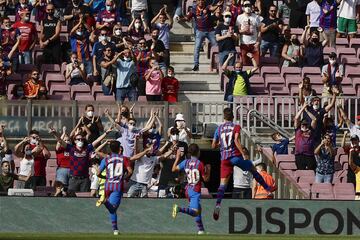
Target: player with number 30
point(195, 172)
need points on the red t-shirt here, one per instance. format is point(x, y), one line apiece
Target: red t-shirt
point(27, 32)
point(170, 88)
point(39, 164)
point(62, 158)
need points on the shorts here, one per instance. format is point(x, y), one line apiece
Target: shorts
point(194, 199)
point(346, 25)
point(114, 198)
point(77, 184)
point(63, 175)
point(226, 168)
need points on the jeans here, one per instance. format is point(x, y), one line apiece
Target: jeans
point(25, 57)
point(106, 90)
point(273, 47)
point(323, 178)
point(223, 56)
point(88, 66)
point(199, 39)
point(137, 189)
point(122, 93)
point(178, 10)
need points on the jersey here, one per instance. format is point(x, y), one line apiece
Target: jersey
point(115, 165)
point(225, 134)
point(194, 170)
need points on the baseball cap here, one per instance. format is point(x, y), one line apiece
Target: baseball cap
point(354, 137)
point(179, 117)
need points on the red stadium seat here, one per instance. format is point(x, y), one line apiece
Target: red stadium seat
point(355, 43)
point(79, 90)
point(290, 71)
point(350, 60)
point(291, 80)
point(322, 191)
point(84, 97)
point(101, 97)
point(54, 77)
point(270, 71)
point(287, 165)
point(310, 71)
point(344, 191)
point(345, 51)
point(279, 91)
point(274, 81)
point(303, 173)
point(341, 42)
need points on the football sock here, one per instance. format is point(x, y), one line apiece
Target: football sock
point(220, 194)
point(188, 211)
point(260, 180)
point(113, 218)
point(110, 207)
point(199, 223)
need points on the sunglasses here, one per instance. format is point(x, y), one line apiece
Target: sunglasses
point(247, 5)
point(79, 139)
point(227, 16)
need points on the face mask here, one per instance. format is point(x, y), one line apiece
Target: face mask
point(238, 71)
point(79, 33)
point(102, 38)
point(27, 19)
point(131, 127)
point(108, 8)
point(7, 27)
point(23, 5)
point(137, 25)
point(28, 152)
point(118, 32)
point(126, 58)
point(174, 138)
point(227, 20)
point(170, 75)
point(332, 62)
point(80, 144)
point(90, 113)
point(304, 129)
point(34, 141)
point(247, 10)
point(315, 40)
point(316, 107)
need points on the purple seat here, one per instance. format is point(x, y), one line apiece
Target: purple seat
point(311, 71)
point(322, 191)
point(257, 81)
point(291, 80)
point(102, 97)
point(270, 71)
point(327, 51)
point(348, 91)
point(350, 60)
point(26, 68)
point(284, 158)
point(79, 90)
point(347, 82)
point(290, 71)
point(260, 91)
point(46, 68)
point(344, 189)
point(58, 87)
point(297, 31)
point(269, 61)
point(54, 77)
point(341, 42)
point(279, 91)
point(84, 97)
point(142, 99)
point(96, 89)
point(287, 165)
point(304, 186)
point(274, 81)
point(59, 97)
point(15, 78)
point(345, 51)
point(306, 179)
point(355, 43)
point(316, 80)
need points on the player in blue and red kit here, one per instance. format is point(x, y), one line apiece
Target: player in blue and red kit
point(227, 135)
point(195, 173)
point(115, 165)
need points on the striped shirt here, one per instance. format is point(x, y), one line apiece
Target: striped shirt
point(80, 46)
point(115, 165)
point(225, 134)
point(202, 17)
point(194, 170)
point(328, 21)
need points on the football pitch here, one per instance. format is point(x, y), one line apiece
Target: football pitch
point(93, 236)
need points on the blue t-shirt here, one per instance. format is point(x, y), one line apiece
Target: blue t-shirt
point(281, 147)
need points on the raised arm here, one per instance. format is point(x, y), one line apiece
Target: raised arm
point(102, 137)
point(141, 154)
point(298, 115)
point(304, 36)
point(332, 103)
point(175, 167)
point(19, 147)
point(343, 140)
point(313, 118)
point(6, 146)
point(344, 116)
point(226, 63)
point(99, 149)
point(53, 132)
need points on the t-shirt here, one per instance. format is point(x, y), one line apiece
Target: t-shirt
point(127, 140)
point(39, 164)
point(164, 33)
point(328, 21)
point(80, 45)
point(240, 85)
point(98, 50)
point(202, 18)
point(27, 32)
point(7, 182)
point(31, 88)
point(159, 47)
point(243, 21)
point(304, 144)
point(314, 56)
point(79, 160)
point(170, 88)
point(8, 36)
point(26, 167)
point(62, 158)
point(153, 84)
point(347, 9)
point(313, 9)
point(94, 129)
point(281, 147)
point(138, 5)
point(110, 18)
point(50, 29)
point(124, 69)
point(228, 44)
point(225, 134)
point(272, 34)
point(194, 170)
point(325, 162)
point(143, 169)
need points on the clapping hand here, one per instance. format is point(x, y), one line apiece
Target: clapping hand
point(249, 55)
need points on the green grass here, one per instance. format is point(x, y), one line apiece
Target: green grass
point(93, 236)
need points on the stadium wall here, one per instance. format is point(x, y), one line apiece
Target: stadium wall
point(41, 214)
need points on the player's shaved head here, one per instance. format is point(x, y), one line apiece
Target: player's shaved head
point(228, 114)
point(115, 147)
point(194, 150)
point(261, 166)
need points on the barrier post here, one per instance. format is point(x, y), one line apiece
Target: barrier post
point(29, 115)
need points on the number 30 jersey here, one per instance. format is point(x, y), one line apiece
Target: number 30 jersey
point(194, 170)
point(225, 134)
point(115, 165)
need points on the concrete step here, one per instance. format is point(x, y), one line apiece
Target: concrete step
point(181, 46)
point(188, 57)
point(197, 76)
point(198, 85)
point(201, 96)
point(188, 67)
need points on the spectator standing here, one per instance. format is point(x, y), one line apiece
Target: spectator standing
point(50, 37)
point(8, 39)
point(63, 166)
point(23, 5)
point(108, 71)
point(259, 192)
point(96, 6)
point(304, 142)
point(153, 77)
point(354, 161)
point(170, 86)
point(125, 69)
point(203, 27)
point(28, 37)
point(40, 153)
point(271, 28)
point(306, 92)
point(142, 54)
point(164, 30)
point(7, 178)
point(119, 38)
point(184, 132)
point(108, 17)
point(75, 71)
point(33, 87)
point(354, 128)
point(137, 29)
point(26, 167)
point(226, 37)
point(92, 122)
point(157, 49)
point(281, 145)
point(4, 147)
point(347, 18)
point(239, 80)
point(313, 14)
point(249, 28)
point(4, 72)
point(314, 49)
point(328, 20)
point(332, 75)
point(297, 13)
point(284, 11)
point(325, 157)
point(291, 53)
point(138, 8)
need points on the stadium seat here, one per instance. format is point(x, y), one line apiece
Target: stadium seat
point(350, 61)
point(341, 42)
point(287, 165)
point(79, 90)
point(345, 51)
point(46, 68)
point(84, 97)
point(344, 189)
point(348, 91)
point(54, 77)
point(59, 88)
point(269, 61)
point(355, 43)
point(284, 158)
point(310, 71)
point(306, 187)
point(290, 71)
point(304, 173)
point(327, 51)
point(270, 71)
point(291, 80)
point(274, 81)
point(306, 179)
point(26, 68)
point(102, 97)
point(322, 191)
point(214, 55)
point(279, 91)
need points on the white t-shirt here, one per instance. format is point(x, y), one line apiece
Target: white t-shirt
point(183, 135)
point(243, 179)
point(143, 169)
point(354, 130)
point(138, 5)
point(313, 9)
point(242, 22)
point(347, 9)
point(26, 167)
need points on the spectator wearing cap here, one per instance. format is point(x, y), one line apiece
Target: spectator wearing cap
point(304, 141)
point(7, 178)
point(328, 20)
point(34, 88)
point(28, 37)
point(249, 27)
point(184, 132)
point(108, 17)
point(325, 156)
point(347, 18)
point(313, 14)
point(313, 52)
point(271, 28)
point(226, 37)
point(203, 27)
point(332, 76)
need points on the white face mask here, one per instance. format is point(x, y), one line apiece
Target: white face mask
point(137, 25)
point(33, 141)
point(247, 10)
point(118, 32)
point(109, 8)
point(90, 113)
point(332, 62)
point(23, 5)
point(80, 144)
point(126, 58)
point(174, 138)
point(102, 38)
point(227, 20)
point(316, 107)
point(170, 75)
point(304, 129)
point(79, 33)
point(28, 152)
point(27, 19)
point(131, 127)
